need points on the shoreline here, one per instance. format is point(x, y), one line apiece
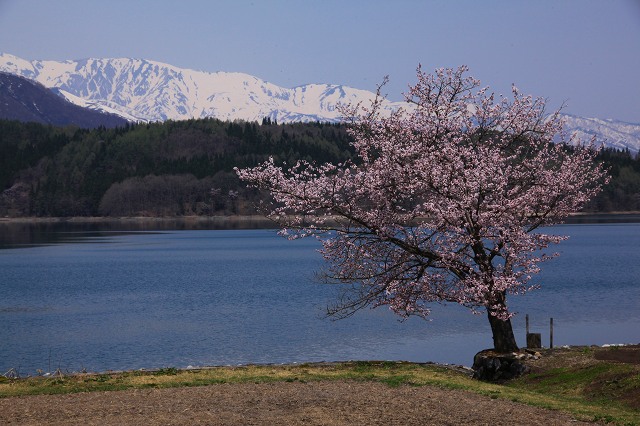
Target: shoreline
point(146, 223)
point(129, 219)
point(258, 221)
point(14, 374)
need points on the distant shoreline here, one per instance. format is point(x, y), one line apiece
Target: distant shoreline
point(612, 217)
point(177, 222)
point(254, 221)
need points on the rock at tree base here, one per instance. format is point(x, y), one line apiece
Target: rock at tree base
point(492, 366)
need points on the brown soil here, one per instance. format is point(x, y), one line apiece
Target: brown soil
point(628, 354)
point(313, 403)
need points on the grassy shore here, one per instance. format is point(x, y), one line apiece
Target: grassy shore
point(591, 383)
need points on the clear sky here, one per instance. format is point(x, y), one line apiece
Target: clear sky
point(585, 53)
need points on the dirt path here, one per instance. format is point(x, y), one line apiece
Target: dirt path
point(314, 403)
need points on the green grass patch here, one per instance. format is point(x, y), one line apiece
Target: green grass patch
point(601, 391)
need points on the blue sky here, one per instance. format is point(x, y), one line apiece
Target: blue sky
point(584, 53)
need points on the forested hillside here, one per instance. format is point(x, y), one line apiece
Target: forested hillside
point(159, 169)
point(184, 167)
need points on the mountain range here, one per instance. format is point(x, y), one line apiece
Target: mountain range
point(145, 90)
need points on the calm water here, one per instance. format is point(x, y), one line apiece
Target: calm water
point(110, 301)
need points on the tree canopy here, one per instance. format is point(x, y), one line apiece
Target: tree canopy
point(444, 200)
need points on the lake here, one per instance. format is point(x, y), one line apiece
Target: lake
point(88, 299)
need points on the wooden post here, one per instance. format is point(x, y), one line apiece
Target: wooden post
point(551, 334)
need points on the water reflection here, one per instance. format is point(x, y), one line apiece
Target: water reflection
point(25, 233)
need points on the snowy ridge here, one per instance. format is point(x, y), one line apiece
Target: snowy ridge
point(94, 105)
point(612, 133)
point(145, 90)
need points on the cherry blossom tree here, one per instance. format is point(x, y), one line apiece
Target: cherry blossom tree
point(444, 201)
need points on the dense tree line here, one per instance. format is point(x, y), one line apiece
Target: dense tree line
point(623, 192)
point(186, 167)
point(170, 168)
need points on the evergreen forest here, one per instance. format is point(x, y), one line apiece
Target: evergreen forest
point(184, 168)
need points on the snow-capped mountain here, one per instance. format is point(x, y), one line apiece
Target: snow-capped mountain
point(613, 133)
point(144, 90)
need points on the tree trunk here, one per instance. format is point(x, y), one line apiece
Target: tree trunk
point(504, 340)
